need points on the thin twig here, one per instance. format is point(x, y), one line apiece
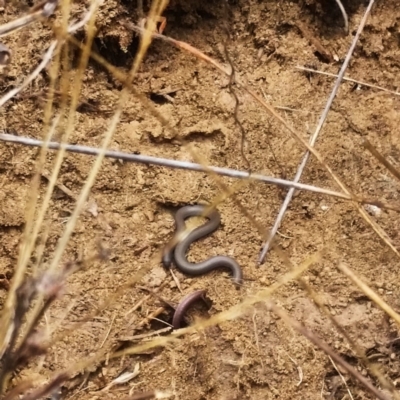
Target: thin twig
point(370, 293)
point(346, 19)
point(257, 340)
point(314, 71)
point(341, 376)
point(108, 331)
point(327, 349)
point(42, 10)
point(314, 137)
point(46, 59)
point(367, 144)
point(165, 162)
point(143, 335)
point(299, 370)
point(149, 395)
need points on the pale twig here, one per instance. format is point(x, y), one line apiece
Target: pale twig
point(143, 335)
point(257, 340)
point(176, 280)
point(108, 331)
point(150, 317)
point(341, 376)
point(46, 59)
point(42, 10)
point(140, 158)
point(366, 84)
point(154, 394)
point(346, 19)
point(145, 298)
point(299, 370)
point(314, 137)
point(186, 165)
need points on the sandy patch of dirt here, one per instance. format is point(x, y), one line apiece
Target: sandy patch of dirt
point(256, 356)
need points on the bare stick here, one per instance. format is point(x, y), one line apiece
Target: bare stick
point(46, 59)
point(143, 159)
point(342, 378)
point(154, 394)
point(165, 162)
point(42, 10)
point(314, 137)
point(346, 19)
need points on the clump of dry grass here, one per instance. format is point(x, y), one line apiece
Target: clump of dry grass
point(32, 293)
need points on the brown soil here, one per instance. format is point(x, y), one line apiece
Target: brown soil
point(256, 356)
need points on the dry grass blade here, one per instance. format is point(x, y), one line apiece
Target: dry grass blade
point(367, 144)
point(370, 293)
point(31, 230)
point(29, 238)
point(328, 350)
point(37, 311)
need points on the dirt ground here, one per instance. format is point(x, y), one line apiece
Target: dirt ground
point(256, 356)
